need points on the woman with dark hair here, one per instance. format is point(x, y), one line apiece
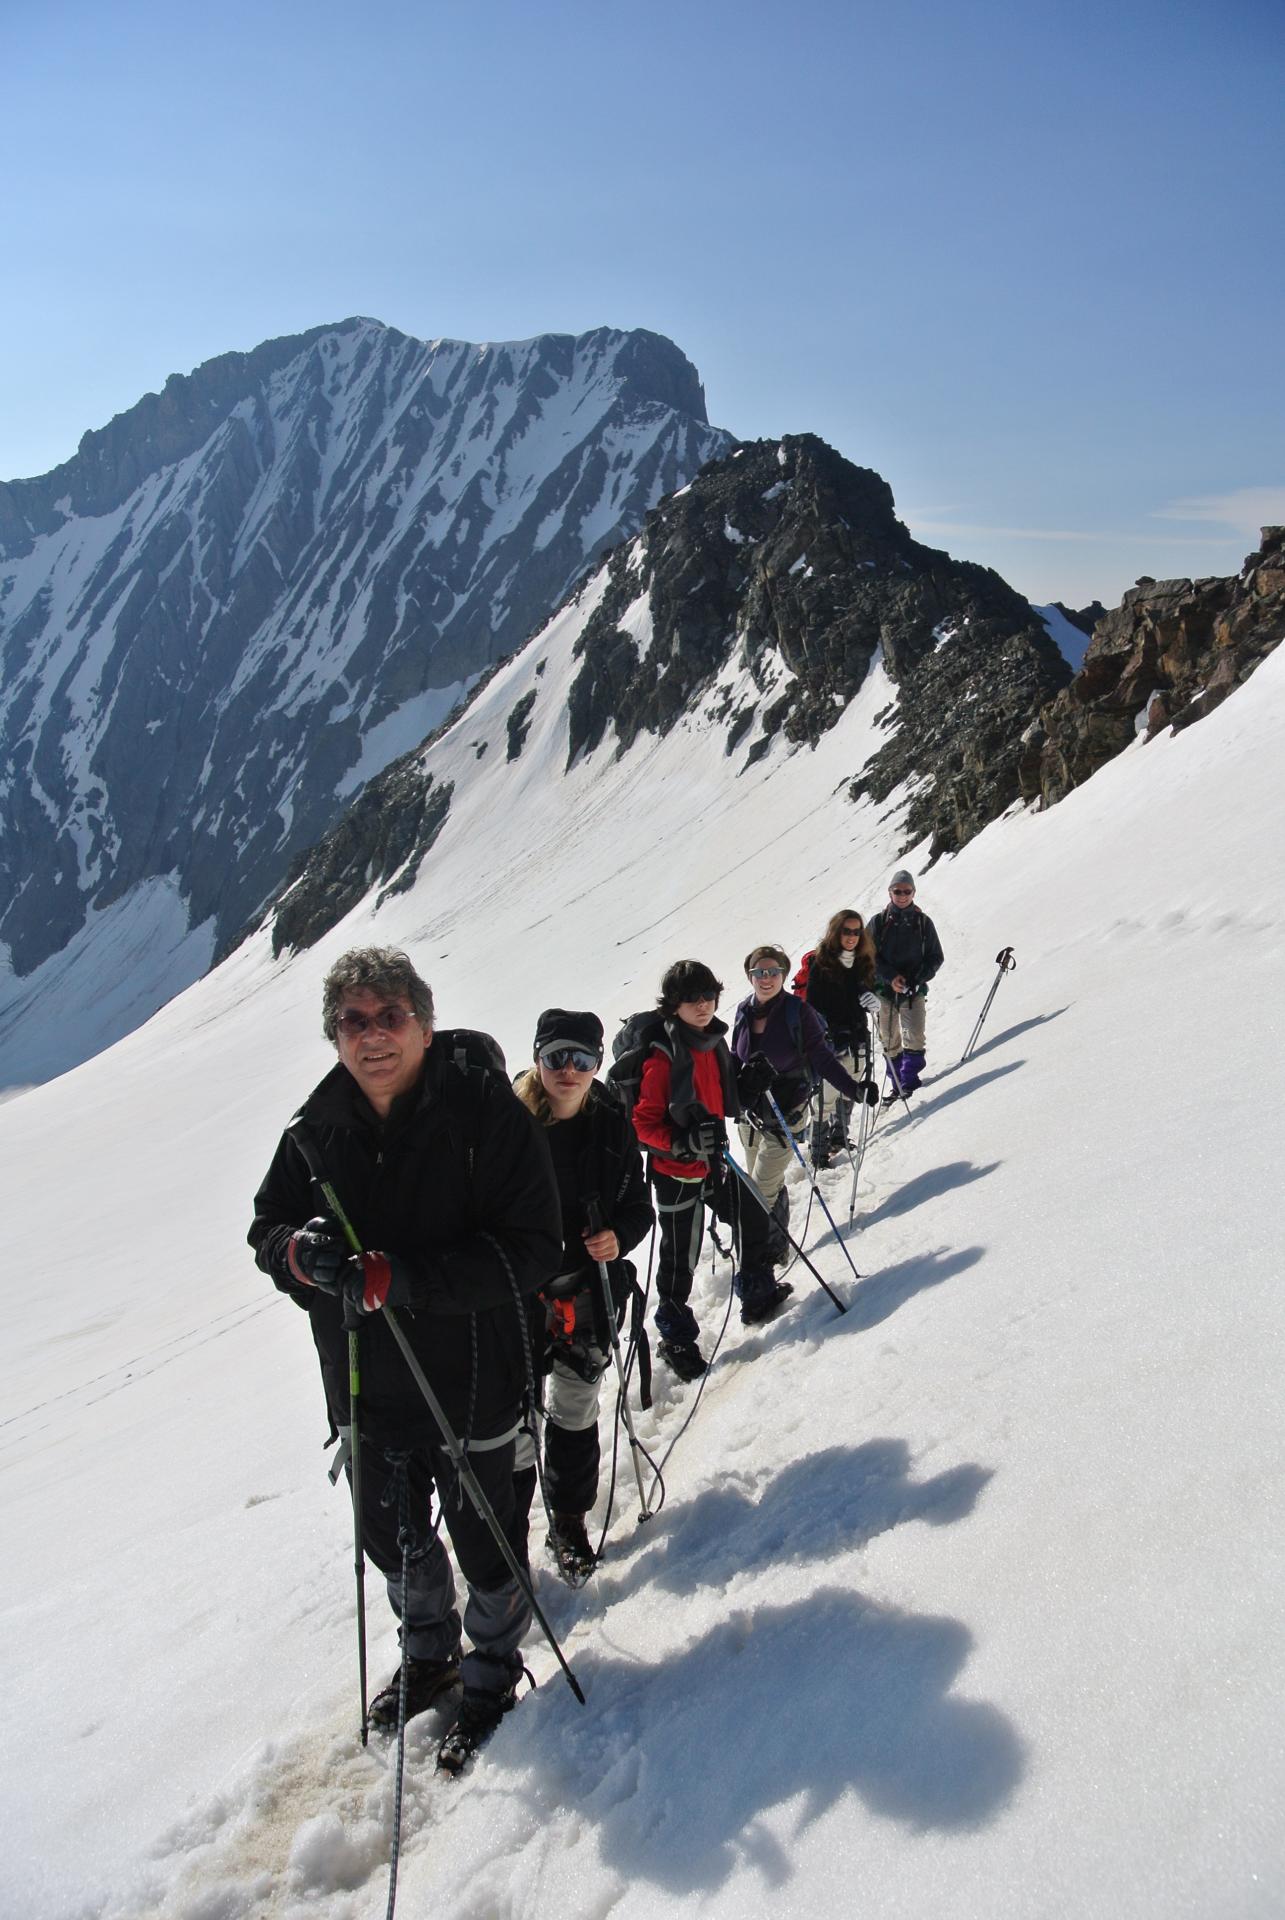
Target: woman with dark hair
point(840, 987)
point(775, 1027)
point(605, 1212)
point(687, 1092)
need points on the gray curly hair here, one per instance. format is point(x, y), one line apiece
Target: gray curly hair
point(386, 971)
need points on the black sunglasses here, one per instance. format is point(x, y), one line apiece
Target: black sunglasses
point(556, 1059)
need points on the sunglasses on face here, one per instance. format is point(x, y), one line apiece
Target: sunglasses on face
point(898, 891)
point(388, 1019)
point(557, 1059)
point(765, 973)
point(851, 933)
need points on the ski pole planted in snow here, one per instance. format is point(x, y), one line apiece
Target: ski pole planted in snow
point(354, 1459)
point(789, 1134)
point(752, 1189)
point(1005, 963)
point(596, 1223)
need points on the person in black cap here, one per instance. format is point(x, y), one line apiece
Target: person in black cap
point(907, 955)
point(606, 1211)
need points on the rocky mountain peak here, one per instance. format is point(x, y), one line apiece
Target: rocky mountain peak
point(1167, 655)
point(788, 557)
point(249, 593)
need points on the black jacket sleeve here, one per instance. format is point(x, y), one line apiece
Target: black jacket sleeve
point(933, 955)
point(284, 1203)
point(631, 1212)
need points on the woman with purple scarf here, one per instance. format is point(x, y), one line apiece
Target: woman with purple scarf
point(785, 1034)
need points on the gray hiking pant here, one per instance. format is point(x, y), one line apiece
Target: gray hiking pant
point(901, 1028)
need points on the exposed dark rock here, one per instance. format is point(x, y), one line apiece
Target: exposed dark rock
point(1085, 618)
point(382, 837)
point(519, 724)
point(1169, 654)
point(789, 561)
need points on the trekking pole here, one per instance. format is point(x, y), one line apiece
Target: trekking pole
point(863, 1141)
point(596, 1223)
point(1005, 962)
point(789, 1134)
point(889, 1069)
point(458, 1457)
point(752, 1189)
point(354, 1444)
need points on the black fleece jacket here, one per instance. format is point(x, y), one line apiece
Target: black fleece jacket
point(457, 1184)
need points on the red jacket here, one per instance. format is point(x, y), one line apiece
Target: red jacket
point(651, 1113)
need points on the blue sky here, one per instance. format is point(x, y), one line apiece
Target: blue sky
point(1023, 259)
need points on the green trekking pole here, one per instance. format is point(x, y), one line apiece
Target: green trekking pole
point(354, 1457)
point(459, 1460)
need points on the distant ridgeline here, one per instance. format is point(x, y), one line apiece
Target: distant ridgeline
point(251, 592)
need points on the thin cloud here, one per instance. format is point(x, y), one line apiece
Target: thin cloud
point(1072, 534)
point(1246, 510)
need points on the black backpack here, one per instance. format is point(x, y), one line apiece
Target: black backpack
point(635, 1040)
point(468, 1047)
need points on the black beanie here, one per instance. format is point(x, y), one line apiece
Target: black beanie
point(558, 1028)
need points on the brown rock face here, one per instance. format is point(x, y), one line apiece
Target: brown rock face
point(1168, 655)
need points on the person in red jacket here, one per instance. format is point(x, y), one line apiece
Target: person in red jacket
point(687, 1094)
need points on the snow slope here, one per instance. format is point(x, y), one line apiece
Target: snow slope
point(964, 1602)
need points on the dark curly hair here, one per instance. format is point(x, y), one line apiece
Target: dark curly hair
point(386, 971)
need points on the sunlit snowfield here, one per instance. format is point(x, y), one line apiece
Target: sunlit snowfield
point(966, 1602)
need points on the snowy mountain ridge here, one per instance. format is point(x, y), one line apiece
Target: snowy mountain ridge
point(748, 618)
point(247, 595)
point(960, 1600)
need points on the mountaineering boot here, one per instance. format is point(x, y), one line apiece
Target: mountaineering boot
point(682, 1357)
point(761, 1302)
point(569, 1548)
point(820, 1145)
point(911, 1065)
point(779, 1248)
point(480, 1714)
point(892, 1092)
point(426, 1682)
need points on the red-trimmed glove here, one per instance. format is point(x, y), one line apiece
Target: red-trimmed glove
point(367, 1281)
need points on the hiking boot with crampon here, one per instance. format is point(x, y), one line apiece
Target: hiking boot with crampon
point(426, 1682)
point(569, 1548)
point(479, 1715)
point(764, 1303)
point(682, 1357)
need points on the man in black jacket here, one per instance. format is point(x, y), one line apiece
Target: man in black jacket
point(449, 1187)
point(907, 955)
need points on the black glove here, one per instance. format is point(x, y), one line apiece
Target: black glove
point(753, 1078)
point(701, 1139)
point(317, 1254)
point(869, 1092)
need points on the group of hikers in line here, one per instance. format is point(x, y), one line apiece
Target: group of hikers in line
point(501, 1218)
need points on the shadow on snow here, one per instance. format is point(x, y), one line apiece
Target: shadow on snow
point(830, 1695)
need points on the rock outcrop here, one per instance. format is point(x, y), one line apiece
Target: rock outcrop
point(786, 556)
point(1169, 654)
